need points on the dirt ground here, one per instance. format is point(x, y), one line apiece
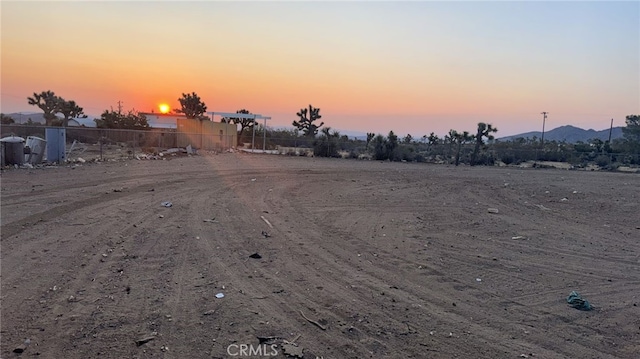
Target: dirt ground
point(359, 259)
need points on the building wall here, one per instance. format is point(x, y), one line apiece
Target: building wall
point(158, 120)
point(206, 135)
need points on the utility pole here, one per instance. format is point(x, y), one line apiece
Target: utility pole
point(119, 107)
point(544, 119)
point(610, 129)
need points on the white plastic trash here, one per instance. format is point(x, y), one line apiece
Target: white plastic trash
point(37, 147)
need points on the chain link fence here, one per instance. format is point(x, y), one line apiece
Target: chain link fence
point(105, 144)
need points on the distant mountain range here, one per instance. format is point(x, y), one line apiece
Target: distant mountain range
point(21, 118)
point(570, 134)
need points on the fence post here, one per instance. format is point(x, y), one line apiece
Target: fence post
point(133, 145)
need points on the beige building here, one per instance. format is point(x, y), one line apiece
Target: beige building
point(206, 135)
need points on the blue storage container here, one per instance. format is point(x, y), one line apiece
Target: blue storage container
point(56, 138)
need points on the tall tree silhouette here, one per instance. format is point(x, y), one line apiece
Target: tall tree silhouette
point(307, 118)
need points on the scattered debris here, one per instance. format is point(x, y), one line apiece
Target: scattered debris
point(317, 324)
point(575, 300)
point(292, 350)
point(22, 347)
point(209, 312)
point(266, 221)
point(266, 234)
point(255, 256)
point(166, 204)
point(81, 160)
point(295, 339)
point(190, 150)
point(144, 340)
point(220, 295)
point(493, 210)
point(267, 340)
point(518, 237)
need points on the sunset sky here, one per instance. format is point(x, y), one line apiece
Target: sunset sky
point(410, 67)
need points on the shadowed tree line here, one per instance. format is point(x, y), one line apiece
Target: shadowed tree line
point(477, 147)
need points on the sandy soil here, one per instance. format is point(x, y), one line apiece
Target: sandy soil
point(363, 259)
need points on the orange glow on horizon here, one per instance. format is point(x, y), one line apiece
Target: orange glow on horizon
point(164, 108)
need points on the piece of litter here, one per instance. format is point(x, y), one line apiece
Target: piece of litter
point(266, 234)
point(267, 222)
point(253, 180)
point(255, 256)
point(220, 295)
point(518, 237)
point(564, 199)
point(141, 341)
point(292, 350)
point(209, 220)
point(574, 192)
point(575, 300)
point(492, 210)
point(166, 204)
point(478, 280)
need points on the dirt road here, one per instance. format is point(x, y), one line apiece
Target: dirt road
point(358, 259)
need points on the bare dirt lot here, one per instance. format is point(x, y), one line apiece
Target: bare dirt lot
point(358, 259)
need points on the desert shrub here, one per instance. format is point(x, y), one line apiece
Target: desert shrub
point(508, 158)
point(325, 147)
point(403, 153)
point(602, 160)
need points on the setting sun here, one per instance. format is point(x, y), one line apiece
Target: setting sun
point(164, 108)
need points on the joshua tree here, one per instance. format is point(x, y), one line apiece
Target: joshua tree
point(460, 139)
point(48, 102)
point(192, 106)
point(370, 136)
point(244, 123)
point(306, 124)
point(484, 130)
point(69, 109)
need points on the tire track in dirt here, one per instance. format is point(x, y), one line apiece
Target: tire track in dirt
point(383, 303)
